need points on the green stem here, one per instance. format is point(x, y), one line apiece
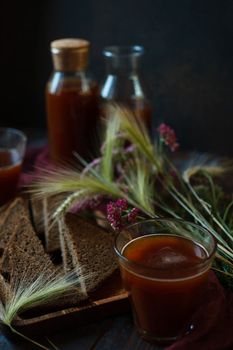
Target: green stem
point(198, 217)
point(220, 257)
point(227, 210)
point(203, 204)
point(53, 345)
point(223, 272)
point(27, 338)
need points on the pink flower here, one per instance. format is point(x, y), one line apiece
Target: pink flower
point(133, 214)
point(168, 136)
point(114, 216)
point(122, 204)
point(119, 214)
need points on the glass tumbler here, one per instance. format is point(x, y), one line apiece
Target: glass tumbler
point(12, 150)
point(164, 266)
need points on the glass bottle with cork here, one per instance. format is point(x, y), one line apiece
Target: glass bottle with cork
point(72, 101)
point(123, 83)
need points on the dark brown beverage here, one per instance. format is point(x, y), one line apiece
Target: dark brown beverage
point(72, 102)
point(72, 120)
point(10, 168)
point(166, 295)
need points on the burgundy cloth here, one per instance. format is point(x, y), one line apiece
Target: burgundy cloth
point(36, 159)
point(214, 320)
point(215, 316)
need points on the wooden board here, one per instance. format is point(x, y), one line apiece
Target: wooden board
point(110, 299)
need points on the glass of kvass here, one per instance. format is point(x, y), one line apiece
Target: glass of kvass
point(165, 265)
point(12, 150)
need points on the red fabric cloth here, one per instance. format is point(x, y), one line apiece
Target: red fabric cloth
point(215, 316)
point(214, 320)
point(36, 159)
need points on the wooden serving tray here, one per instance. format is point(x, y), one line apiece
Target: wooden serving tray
point(110, 299)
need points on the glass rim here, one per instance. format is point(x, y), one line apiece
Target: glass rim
point(14, 131)
point(123, 51)
point(136, 265)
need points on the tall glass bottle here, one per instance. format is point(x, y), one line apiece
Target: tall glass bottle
point(123, 82)
point(72, 100)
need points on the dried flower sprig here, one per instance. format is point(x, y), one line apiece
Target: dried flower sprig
point(119, 214)
point(168, 136)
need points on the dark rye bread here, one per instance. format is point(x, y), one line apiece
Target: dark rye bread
point(5, 291)
point(26, 239)
point(89, 248)
point(11, 218)
point(42, 212)
point(24, 259)
point(25, 270)
point(37, 214)
point(3, 214)
point(69, 262)
point(27, 267)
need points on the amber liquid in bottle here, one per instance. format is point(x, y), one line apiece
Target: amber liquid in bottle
point(72, 100)
point(142, 110)
point(72, 119)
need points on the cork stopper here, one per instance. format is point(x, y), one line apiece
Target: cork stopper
point(70, 55)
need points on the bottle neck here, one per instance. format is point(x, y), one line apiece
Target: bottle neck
point(60, 80)
point(123, 60)
point(123, 66)
point(70, 60)
point(75, 73)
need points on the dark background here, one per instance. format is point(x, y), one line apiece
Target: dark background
point(188, 63)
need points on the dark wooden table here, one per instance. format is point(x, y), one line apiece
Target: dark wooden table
point(117, 333)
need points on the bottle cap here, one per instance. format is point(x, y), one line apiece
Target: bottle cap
point(70, 55)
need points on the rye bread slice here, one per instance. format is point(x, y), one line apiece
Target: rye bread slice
point(5, 290)
point(26, 267)
point(26, 239)
point(67, 258)
point(42, 212)
point(3, 213)
point(88, 248)
point(16, 210)
point(37, 214)
point(25, 270)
